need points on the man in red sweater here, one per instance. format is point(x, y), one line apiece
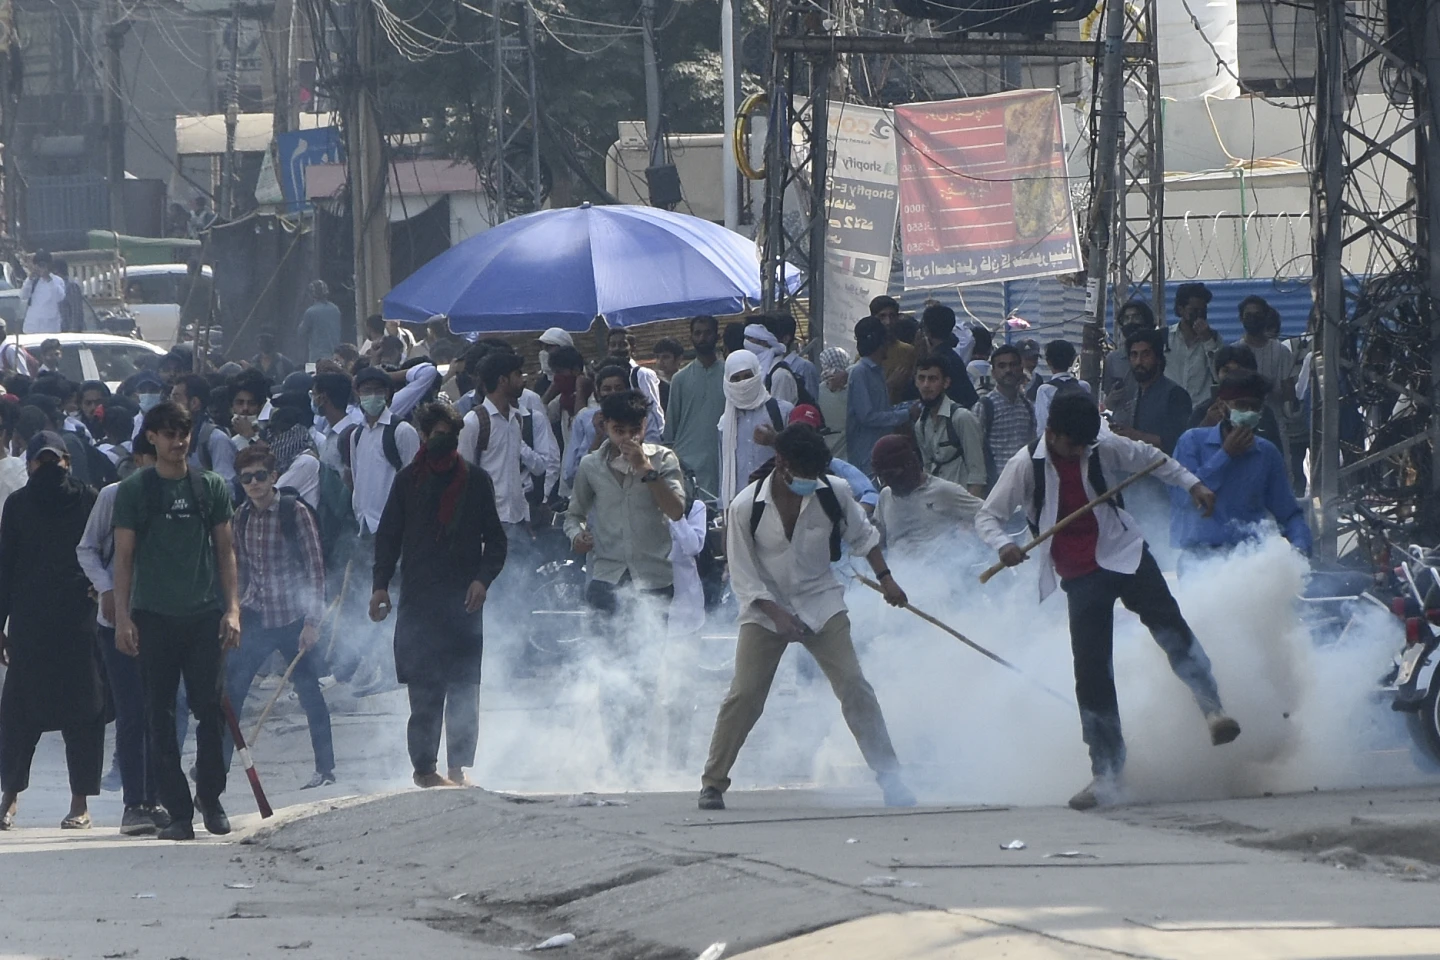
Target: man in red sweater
point(1100, 558)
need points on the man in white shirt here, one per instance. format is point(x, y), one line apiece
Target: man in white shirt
point(917, 511)
point(783, 533)
point(44, 294)
point(514, 446)
point(1098, 559)
point(752, 418)
point(13, 357)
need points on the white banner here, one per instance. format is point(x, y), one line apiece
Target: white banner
point(863, 202)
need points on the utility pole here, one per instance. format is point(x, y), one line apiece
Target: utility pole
point(728, 172)
point(1102, 203)
point(1428, 137)
point(115, 125)
point(282, 66)
point(368, 177)
point(232, 118)
point(652, 84)
point(1328, 218)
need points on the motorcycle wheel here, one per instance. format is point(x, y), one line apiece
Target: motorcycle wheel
point(1424, 728)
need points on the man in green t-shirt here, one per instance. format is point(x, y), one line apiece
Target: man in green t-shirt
point(177, 607)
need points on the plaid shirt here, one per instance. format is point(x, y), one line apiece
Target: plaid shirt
point(283, 582)
point(1009, 425)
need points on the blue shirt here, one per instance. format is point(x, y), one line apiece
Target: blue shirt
point(1247, 488)
point(869, 414)
point(860, 484)
point(805, 370)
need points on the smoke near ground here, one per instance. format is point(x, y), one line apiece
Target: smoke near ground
point(631, 709)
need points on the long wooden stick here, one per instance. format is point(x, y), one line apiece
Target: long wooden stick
point(245, 760)
point(265, 714)
point(335, 607)
point(1088, 508)
point(934, 622)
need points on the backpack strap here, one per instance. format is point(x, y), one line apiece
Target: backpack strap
point(482, 431)
point(1037, 496)
point(203, 433)
point(392, 449)
point(348, 442)
point(199, 490)
point(777, 419)
point(830, 503)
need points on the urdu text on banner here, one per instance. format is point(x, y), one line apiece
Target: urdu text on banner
point(864, 199)
point(984, 191)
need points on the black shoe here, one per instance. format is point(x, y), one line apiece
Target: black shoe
point(320, 779)
point(711, 799)
point(214, 816)
point(136, 822)
point(177, 830)
point(160, 815)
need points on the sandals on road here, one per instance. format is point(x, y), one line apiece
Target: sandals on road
point(81, 822)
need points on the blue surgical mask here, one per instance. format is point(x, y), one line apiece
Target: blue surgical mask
point(802, 487)
point(148, 401)
point(1245, 418)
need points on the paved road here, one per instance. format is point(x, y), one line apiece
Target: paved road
point(792, 874)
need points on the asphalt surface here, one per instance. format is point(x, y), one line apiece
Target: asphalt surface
point(368, 868)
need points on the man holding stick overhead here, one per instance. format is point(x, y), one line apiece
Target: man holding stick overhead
point(1100, 557)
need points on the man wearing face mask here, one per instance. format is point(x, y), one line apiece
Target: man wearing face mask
point(53, 682)
point(1193, 344)
point(149, 391)
point(248, 392)
point(778, 379)
point(550, 340)
point(1246, 472)
point(440, 528)
point(751, 420)
point(917, 510)
point(782, 534)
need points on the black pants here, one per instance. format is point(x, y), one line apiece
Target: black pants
point(172, 648)
point(456, 706)
point(1092, 641)
point(128, 693)
point(84, 756)
point(256, 645)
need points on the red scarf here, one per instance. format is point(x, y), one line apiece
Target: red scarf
point(450, 469)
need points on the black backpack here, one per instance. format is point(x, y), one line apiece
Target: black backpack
point(290, 501)
point(350, 442)
point(802, 393)
point(535, 496)
point(1094, 473)
point(828, 502)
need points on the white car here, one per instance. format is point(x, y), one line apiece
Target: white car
point(94, 356)
point(153, 294)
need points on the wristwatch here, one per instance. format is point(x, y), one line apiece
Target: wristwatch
point(650, 476)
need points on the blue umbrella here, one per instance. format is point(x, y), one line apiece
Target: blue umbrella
point(562, 268)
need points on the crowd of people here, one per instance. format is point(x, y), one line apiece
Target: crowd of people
point(161, 543)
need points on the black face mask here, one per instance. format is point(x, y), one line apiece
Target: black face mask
point(48, 476)
point(442, 445)
point(1255, 326)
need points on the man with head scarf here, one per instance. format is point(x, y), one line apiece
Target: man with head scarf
point(752, 419)
point(917, 509)
point(834, 396)
point(777, 378)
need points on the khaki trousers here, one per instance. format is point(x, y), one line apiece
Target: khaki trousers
point(757, 655)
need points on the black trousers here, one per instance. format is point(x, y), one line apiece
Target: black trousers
point(1092, 641)
point(128, 693)
point(84, 756)
point(172, 648)
point(456, 707)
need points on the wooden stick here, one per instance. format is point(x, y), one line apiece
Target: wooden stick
point(335, 607)
point(265, 714)
point(245, 759)
point(1088, 508)
point(934, 622)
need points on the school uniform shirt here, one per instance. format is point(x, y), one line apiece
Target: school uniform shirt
point(96, 550)
point(935, 511)
point(506, 458)
point(1046, 396)
point(582, 437)
point(687, 539)
point(647, 381)
point(794, 571)
point(749, 455)
point(222, 452)
point(1119, 543)
point(304, 478)
point(44, 300)
point(939, 455)
point(13, 476)
point(372, 473)
point(805, 370)
point(632, 535)
point(327, 436)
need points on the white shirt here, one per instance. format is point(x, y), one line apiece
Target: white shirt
point(1120, 543)
point(371, 473)
point(687, 539)
point(794, 572)
point(1043, 398)
point(647, 381)
point(782, 386)
point(96, 550)
point(304, 477)
point(13, 476)
point(506, 458)
point(327, 436)
point(42, 299)
point(749, 455)
point(937, 510)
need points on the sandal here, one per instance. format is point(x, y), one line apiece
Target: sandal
point(81, 822)
point(7, 822)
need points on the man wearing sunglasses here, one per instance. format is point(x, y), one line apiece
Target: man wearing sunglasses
point(282, 593)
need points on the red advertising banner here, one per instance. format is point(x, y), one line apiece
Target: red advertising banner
point(984, 193)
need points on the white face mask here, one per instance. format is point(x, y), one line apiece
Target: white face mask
point(545, 362)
